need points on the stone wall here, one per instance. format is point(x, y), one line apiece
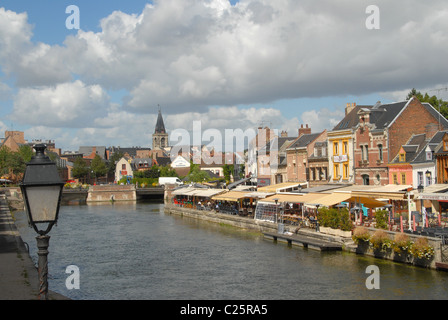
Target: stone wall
point(112, 193)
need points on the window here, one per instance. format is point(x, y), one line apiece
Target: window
point(403, 178)
point(345, 147)
point(365, 179)
point(378, 178)
point(366, 150)
point(336, 148)
point(336, 171)
point(395, 178)
point(345, 171)
point(380, 152)
point(420, 178)
point(123, 166)
point(402, 157)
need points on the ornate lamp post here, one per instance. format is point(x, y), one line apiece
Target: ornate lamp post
point(42, 191)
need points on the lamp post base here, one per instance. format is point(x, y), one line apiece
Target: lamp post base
point(42, 244)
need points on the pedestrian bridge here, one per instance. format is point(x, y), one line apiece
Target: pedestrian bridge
point(104, 193)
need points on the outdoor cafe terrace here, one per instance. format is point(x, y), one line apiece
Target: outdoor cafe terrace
point(291, 204)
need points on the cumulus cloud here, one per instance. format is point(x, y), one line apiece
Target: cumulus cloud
point(200, 58)
point(64, 105)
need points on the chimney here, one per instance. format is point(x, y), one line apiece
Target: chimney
point(284, 134)
point(349, 107)
point(303, 130)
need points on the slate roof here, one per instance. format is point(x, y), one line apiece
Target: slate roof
point(160, 126)
point(304, 140)
point(382, 115)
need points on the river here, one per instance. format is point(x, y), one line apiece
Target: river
point(136, 251)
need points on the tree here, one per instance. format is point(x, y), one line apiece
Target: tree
point(196, 174)
point(80, 169)
point(26, 152)
point(98, 167)
point(227, 171)
point(438, 104)
point(116, 156)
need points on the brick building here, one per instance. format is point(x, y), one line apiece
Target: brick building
point(369, 137)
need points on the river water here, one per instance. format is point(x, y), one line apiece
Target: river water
point(136, 251)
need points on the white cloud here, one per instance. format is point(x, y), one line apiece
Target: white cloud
point(67, 104)
point(191, 55)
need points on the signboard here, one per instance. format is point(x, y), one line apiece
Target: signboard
point(341, 158)
point(433, 196)
point(263, 182)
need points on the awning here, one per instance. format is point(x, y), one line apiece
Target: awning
point(294, 198)
point(230, 196)
point(367, 202)
point(280, 187)
point(207, 193)
point(184, 191)
point(332, 199)
point(390, 191)
point(258, 195)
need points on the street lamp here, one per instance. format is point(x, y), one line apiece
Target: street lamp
point(42, 191)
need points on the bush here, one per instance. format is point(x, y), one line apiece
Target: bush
point(421, 249)
point(380, 240)
point(401, 243)
point(381, 217)
point(360, 234)
point(333, 218)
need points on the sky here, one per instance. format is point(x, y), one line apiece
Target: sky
point(228, 64)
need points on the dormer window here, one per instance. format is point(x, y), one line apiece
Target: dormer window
point(402, 157)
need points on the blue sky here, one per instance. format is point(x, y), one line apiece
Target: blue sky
point(229, 65)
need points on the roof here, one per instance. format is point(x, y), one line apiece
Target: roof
point(304, 140)
point(351, 119)
point(383, 115)
point(160, 126)
point(413, 148)
point(280, 143)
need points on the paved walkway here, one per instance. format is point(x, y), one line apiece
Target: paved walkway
point(18, 275)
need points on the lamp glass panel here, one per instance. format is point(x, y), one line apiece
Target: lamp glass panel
point(43, 202)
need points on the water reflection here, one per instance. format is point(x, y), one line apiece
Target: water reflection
point(135, 251)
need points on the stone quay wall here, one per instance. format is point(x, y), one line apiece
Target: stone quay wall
point(112, 193)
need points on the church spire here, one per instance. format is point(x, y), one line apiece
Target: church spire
point(160, 126)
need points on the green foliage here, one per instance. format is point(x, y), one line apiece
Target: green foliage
point(155, 172)
point(196, 174)
point(98, 166)
point(14, 162)
point(382, 218)
point(228, 172)
point(80, 169)
point(334, 218)
point(437, 103)
point(116, 156)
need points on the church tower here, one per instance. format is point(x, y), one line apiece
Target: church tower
point(160, 137)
